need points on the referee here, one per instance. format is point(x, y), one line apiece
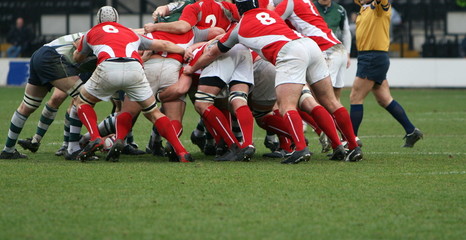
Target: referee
point(372, 42)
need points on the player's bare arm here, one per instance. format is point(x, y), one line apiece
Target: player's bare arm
point(177, 27)
point(207, 57)
point(139, 31)
point(166, 46)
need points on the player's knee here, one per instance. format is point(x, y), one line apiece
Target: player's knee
point(75, 89)
point(150, 108)
point(83, 100)
point(305, 94)
point(202, 100)
point(236, 96)
point(30, 103)
point(204, 97)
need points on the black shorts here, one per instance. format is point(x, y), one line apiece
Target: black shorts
point(48, 65)
point(373, 65)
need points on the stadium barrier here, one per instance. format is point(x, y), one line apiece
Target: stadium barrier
point(418, 73)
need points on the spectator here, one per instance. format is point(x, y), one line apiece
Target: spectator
point(19, 37)
point(463, 47)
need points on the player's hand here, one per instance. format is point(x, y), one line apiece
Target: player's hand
point(188, 70)
point(161, 11)
point(188, 54)
point(149, 27)
point(146, 55)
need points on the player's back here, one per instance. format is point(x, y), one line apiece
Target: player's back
point(183, 40)
point(64, 45)
point(265, 32)
point(110, 39)
point(210, 13)
point(305, 18)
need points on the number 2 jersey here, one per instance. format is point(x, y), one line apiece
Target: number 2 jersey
point(261, 30)
point(209, 13)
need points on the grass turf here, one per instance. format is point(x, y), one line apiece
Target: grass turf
point(394, 193)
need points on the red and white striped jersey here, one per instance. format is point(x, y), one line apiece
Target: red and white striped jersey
point(197, 54)
point(183, 40)
point(263, 31)
point(210, 13)
point(265, 3)
point(303, 16)
point(110, 40)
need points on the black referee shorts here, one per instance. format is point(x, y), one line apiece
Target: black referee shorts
point(373, 65)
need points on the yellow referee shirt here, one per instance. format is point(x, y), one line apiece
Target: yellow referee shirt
point(373, 26)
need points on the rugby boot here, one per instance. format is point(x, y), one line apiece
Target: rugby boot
point(412, 138)
point(298, 156)
point(27, 144)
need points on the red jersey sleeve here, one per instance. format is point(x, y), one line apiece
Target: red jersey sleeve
point(190, 13)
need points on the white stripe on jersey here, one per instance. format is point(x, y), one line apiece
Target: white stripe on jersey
point(129, 50)
point(96, 49)
point(258, 43)
point(308, 29)
point(132, 47)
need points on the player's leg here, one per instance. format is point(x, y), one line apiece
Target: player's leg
point(32, 99)
point(47, 117)
point(122, 126)
point(337, 59)
point(66, 135)
point(174, 110)
point(239, 104)
point(165, 128)
point(262, 98)
point(325, 96)
point(287, 100)
point(85, 107)
point(75, 135)
point(212, 116)
point(323, 120)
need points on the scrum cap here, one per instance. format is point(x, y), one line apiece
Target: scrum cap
point(245, 5)
point(107, 14)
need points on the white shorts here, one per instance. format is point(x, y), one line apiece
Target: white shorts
point(234, 65)
point(162, 72)
point(299, 61)
point(110, 77)
point(264, 83)
point(336, 58)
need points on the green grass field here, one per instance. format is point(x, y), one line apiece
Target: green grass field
point(394, 193)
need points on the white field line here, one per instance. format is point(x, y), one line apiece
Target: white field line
point(436, 173)
point(418, 153)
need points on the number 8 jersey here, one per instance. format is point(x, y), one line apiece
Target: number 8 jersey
point(261, 30)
